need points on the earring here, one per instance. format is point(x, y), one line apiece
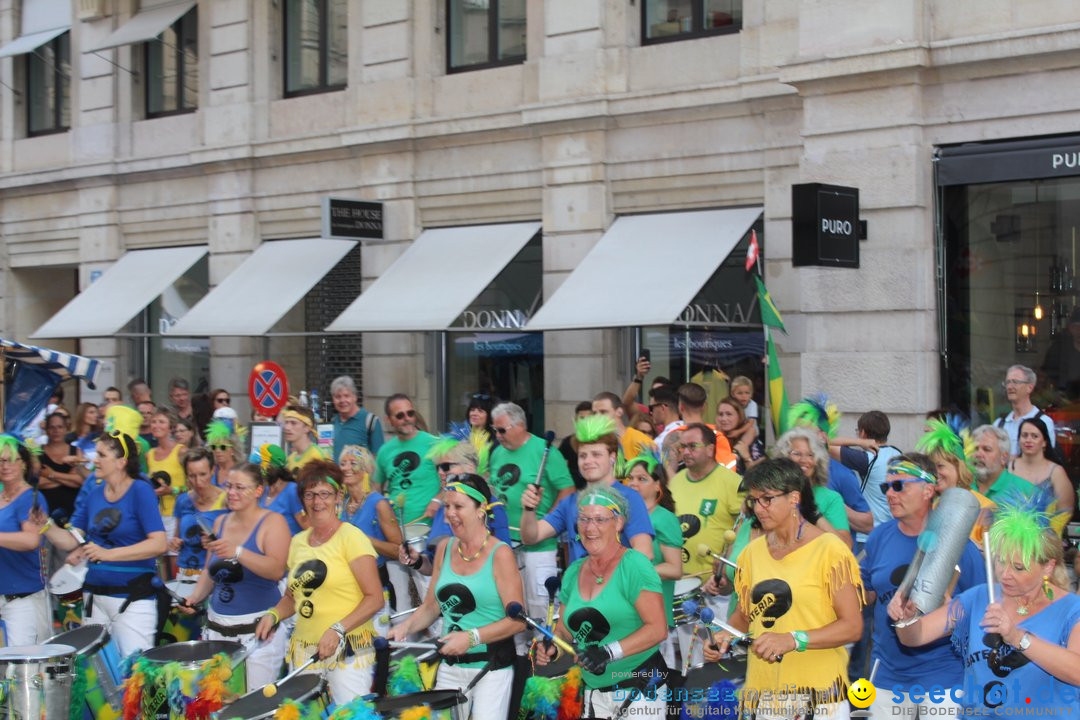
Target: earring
point(1047, 590)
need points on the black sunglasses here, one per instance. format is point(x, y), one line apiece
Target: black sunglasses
point(501, 431)
point(223, 400)
point(404, 414)
point(896, 485)
point(445, 467)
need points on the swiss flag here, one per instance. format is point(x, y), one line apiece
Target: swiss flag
point(752, 251)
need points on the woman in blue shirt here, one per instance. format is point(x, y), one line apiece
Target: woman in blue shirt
point(24, 606)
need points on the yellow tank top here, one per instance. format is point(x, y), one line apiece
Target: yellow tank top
point(171, 464)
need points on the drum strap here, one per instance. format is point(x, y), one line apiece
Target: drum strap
point(501, 655)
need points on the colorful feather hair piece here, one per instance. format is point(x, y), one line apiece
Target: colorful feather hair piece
point(294, 710)
point(356, 709)
point(218, 432)
point(1021, 526)
point(951, 436)
point(590, 429)
point(815, 411)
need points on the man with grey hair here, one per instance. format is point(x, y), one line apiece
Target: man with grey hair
point(514, 465)
point(991, 457)
point(1019, 384)
point(353, 425)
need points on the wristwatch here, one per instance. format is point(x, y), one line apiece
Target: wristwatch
point(1025, 642)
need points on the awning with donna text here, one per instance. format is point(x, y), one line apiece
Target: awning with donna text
point(121, 293)
point(683, 248)
point(436, 278)
point(42, 20)
point(146, 25)
point(266, 286)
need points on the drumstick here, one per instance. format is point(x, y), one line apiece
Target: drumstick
point(552, 587)
point(206, 529)
point(399, 512)
point(517, 612)
point(257, 645)
point(704, 551)
point(549, 438)
point(271, 689)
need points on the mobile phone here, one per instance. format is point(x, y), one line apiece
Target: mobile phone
point(646, 354)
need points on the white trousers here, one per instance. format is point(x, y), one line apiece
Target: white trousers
point(132, 630)
point(539, 566)
point(885, 709)
point(26, 620)
point(399, 578)
point(652, 705)
point(345, 683)
point(263, 665)
point(493, 690)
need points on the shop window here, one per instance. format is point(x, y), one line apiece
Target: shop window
point(316, 46)
point(490, 356)
point(172, 68)
point(485, 33)
point(48, 86)
point(1011, 296)
point(666, 20)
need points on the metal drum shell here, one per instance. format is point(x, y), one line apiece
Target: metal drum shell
point(39, 679)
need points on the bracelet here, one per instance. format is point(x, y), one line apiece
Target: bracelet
point(339, 629)
point(45, 528)
point(801, 640)
point(418, 562)
point(273, 614)
point(474, 637)
point(614, 650)
point(239, 550)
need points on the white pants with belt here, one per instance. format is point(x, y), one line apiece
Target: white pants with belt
point(27, 619)
point(132, 630)
point(493, 690)
point(263, 665)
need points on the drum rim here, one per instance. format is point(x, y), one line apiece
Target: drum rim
point(59, 654)
point(100, 640)
point(441, 703)
point(320, 688)
point(687, 580)
point(237, 648)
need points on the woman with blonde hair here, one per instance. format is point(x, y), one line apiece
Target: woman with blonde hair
point(804, 446)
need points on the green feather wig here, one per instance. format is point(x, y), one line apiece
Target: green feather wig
point(1021, 527)
point(815, 411)
point(218, 432)
point(951, 437)
point(590, 429)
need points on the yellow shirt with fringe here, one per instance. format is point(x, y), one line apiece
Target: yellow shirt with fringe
point(324, 591)
point(795, 593)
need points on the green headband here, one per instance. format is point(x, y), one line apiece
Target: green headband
point(470, 491)
point(598, 499)
point(648, 461)
point(910, 469)
point(332, 482)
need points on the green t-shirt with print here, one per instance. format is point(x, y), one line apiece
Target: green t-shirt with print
point(513, 470)
point(403, 468)
point(668, 532)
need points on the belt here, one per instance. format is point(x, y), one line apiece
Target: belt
point(499, 654)
point(189, 572)
point(18, 596)
point(232, 630)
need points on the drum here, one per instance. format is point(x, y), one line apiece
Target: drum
point(305, 689)
point(411, 670)
point(100, 661)
point(37, 681)
point(443, 705)
point(688, 588)
point(552, 690)
point(711, 689)
point(67, 583)
point(178, 626)
point(416, 535)
point(189, 658)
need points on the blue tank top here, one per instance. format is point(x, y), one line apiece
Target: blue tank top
point(287, 504)
point(237, 590)
point(21, 569)
point(366, 518)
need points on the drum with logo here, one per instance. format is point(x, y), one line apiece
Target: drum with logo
point(186, 662)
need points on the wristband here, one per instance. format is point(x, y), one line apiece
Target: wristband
point(801, 640)
point(418, 562)
point(339, 629)
point(239, 550)
point(45, 528)
point(474, 637)
point(615, 650)
point(273, 614)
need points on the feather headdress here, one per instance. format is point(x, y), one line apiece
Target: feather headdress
point(459, 433)
point(1022, 526)
point(952, 436)
point(815, 411)
point(590, 429)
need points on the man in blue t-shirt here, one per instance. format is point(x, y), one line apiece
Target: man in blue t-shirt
point(353, 425)
point(889, 550)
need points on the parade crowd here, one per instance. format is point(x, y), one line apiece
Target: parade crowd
point(659, 548)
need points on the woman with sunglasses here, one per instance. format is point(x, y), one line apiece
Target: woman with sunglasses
point(195, 510)
point(804, 446)
point(799, 599)
point(1021, 652)
point(220, 398)
point(121, 523)
point(245, 560)
point(223, 442)
point(910, 491)
point(475, 578)
point(613, 612)
point(24, 606)
point(333, 588)
point(298, 429)
point(647, 475)
point(1036, 465)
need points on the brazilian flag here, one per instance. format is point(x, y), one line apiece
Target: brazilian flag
point(769, 314)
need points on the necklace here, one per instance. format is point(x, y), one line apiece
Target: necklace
point(1022, 606)
point(483, 545)
point(798, 536)
point(316, 541)
point(599, 577)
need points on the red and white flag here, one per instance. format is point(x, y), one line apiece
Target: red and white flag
point(752, 251)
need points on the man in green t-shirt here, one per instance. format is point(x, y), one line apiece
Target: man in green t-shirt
point(514, 465)
point(408, 479)
point(992, 448)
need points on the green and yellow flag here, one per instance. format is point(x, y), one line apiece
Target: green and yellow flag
point(778, 402)
point(769, 314)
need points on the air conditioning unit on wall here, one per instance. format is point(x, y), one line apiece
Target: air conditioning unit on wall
point(92, 9)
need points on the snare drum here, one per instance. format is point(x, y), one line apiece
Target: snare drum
point(443, 704)
point(711, 689)
point(37, 680)
point(307, 690)
point(688, 588)
point(416, 535)
point(98, 658)
point(190, 656)
point(178, 626)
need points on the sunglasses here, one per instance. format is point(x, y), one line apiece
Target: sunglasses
point(896, 485)
point(501, 431)
point(223, 400)
point(445, 467)
point(220, 447)
point(405, 414)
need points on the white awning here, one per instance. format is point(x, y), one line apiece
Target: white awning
point(435, 279)
point(42, 20)
point(121, 293)
point(679, 250)
point(146, 25)
point(266, 286)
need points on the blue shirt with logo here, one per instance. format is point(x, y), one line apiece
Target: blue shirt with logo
point(128, 521)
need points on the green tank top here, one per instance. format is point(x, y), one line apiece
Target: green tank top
point(469, 601)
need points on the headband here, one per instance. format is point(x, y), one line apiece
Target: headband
point(648, 461)
point(331, 482)
point(910, 469)
point(470, 491)
point(598, 499)
point(299, 417)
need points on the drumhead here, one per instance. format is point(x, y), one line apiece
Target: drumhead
point(86, 640)
point(686, 585)
point(416, 532)
point(434, 699)
point(256, 706)
point(195, 651)
point(36, 653)
point(734, 668)
point(68, 579)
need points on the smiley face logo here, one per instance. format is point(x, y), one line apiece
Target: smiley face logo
point(862, 693)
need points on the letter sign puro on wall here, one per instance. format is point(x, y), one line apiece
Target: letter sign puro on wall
point(825, 225)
